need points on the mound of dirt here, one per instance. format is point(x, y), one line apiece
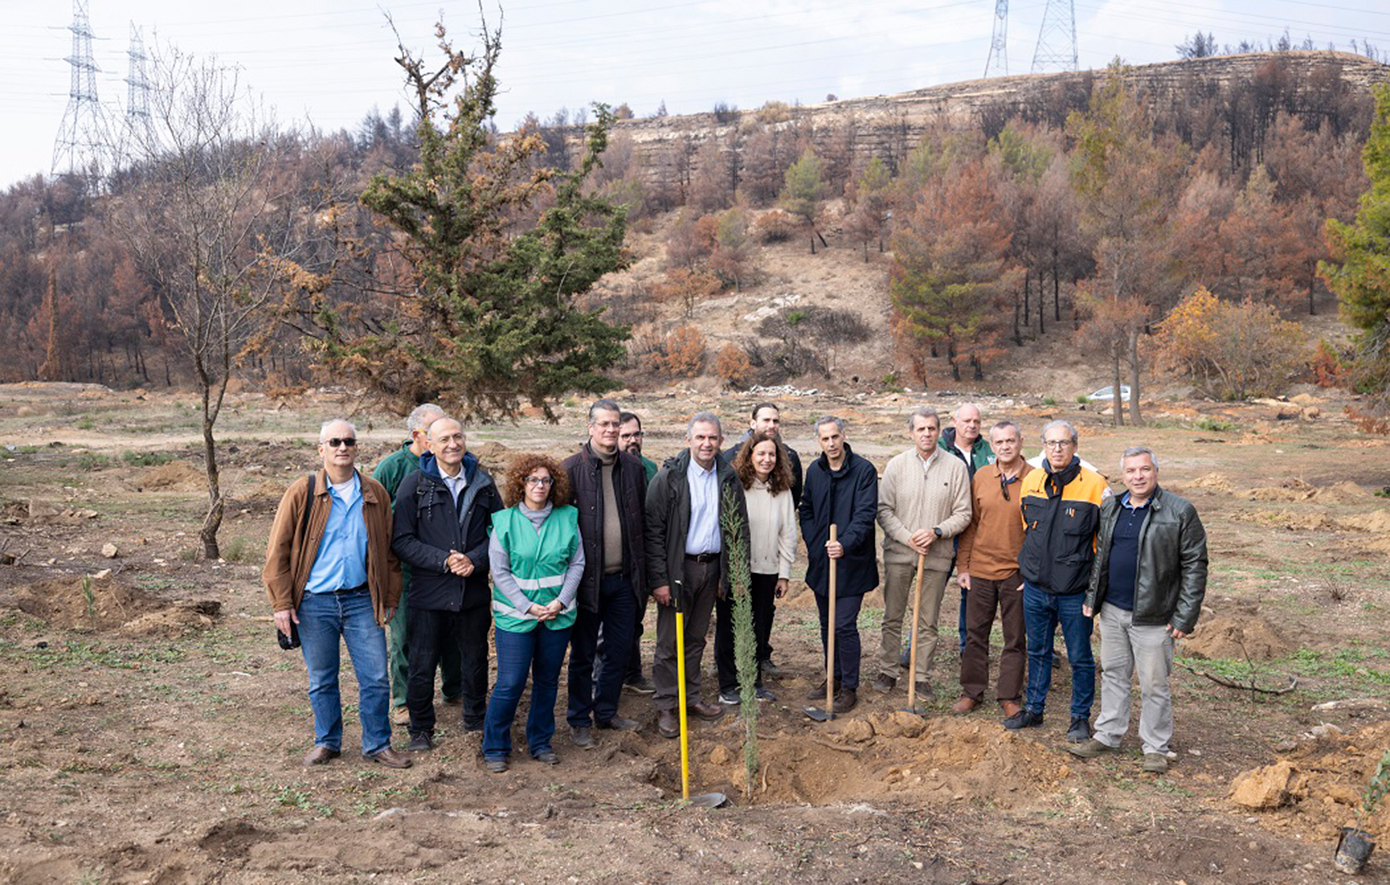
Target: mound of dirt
point(901, 756)
point(1376, 522)
point(1288, 490)
point(1215, 482)
point(1238, 633)
point(493, 456)
point(90, 605)
point(176, 476)
point(1294, 520)
point(1344, 492)
point(1317, 787)
point(263, 494)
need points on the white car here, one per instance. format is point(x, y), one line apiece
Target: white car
point(1107, 394)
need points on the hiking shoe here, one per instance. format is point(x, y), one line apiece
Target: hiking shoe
point(497, 764)
point(582, 737)
point(1090, 749)
point(1024, 718)
point(924, 692)
point(1079, 731)
point(420, 742)
point(618, 723)
point(547, 756)
point(763, 694)
point(641, 685)
point(845, 700)
point(818, 693)
point(1155, 763)
point(883, 683)
point(770, 670)
point(730, 698)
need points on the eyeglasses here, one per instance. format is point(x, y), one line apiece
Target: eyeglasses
point(1057, 443)
point(346, 442)
point(540, 480)
point(632, 434)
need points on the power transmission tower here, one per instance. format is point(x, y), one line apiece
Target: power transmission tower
point(137, 131)
point(997, 65)
point(79, 145)
point(1056, 49)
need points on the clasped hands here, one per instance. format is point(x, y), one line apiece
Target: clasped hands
point(459, 564)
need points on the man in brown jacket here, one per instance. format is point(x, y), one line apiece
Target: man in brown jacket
point(923, 502)
point(330, 573)
point(987, 564)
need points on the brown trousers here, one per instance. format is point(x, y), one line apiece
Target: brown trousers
point(981, 601)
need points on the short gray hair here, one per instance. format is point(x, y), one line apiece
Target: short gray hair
point(1136, 451)
point(1002, 424)
point(924, 412)
point(704, 417)
point(323, 428)
point(605, 405)
point(1060, 422)
point(830, 419)
point(416, 420)
point(978, 410)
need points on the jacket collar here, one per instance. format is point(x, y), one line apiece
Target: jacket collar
point(1057, 480)
point(824, 462)
point(429, 466)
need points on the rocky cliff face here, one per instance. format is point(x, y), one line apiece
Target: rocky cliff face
point(888, 126)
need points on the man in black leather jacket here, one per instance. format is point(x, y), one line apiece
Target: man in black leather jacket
point(1146, 590)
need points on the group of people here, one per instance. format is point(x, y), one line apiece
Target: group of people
point(576, 549)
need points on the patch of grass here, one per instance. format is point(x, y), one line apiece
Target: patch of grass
point(188, 554)
point(1082, 399)
point(290, 795)
point(86, 423)
point(1049, 401)
point(1216, 425)
point(146, 459)
point(92, 461)
point(238, 550)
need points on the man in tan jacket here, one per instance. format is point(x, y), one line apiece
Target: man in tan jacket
point(923, 502)
point(330, 574)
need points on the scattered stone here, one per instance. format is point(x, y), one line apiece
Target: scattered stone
point(720, 756)
point(109, 550)
point(1266, 787)
point(858, 731)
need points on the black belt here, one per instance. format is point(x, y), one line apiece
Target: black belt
point(358, 589)
point(702, 557)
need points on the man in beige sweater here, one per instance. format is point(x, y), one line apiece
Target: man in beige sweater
point(923, 502)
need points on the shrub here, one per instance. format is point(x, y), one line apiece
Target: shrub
point(776, 226)
point(687, 288)
point(1233, 350)
point(681, 354)
point(732, 366)
point(1329, 369)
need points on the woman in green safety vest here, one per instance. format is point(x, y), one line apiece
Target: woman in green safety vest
point(536, 561)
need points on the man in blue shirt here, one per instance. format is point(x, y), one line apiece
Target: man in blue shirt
point(1146, 590)
point(330, 572)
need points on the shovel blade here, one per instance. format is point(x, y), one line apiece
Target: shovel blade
point(818, 714)
point(709, 800)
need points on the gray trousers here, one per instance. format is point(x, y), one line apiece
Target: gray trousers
point(899, 580)
point(1124, 651)
point(701, 589)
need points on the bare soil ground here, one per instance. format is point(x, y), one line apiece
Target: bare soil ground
point(152, 730)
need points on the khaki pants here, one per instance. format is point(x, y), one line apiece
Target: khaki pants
point(899, 579)
point(1127, 650)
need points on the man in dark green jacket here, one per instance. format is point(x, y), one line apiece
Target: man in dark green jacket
point(1146, 590)
point(392, 469)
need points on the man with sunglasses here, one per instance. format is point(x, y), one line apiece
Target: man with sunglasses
point(443, 511)
point(330, 573)
point(609, 489)
point(987, 565)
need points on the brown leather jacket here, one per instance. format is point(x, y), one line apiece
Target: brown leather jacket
point(289, 555)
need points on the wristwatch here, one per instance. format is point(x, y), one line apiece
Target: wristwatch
point(938, 532)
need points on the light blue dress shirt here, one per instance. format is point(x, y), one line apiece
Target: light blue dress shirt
point(341, 562)
point(703, 534)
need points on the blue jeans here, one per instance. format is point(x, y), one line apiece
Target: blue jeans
point(1042, 612)
point(323, 618)
point(539, 651)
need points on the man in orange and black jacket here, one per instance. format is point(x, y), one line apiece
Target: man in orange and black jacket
point(1061, 512)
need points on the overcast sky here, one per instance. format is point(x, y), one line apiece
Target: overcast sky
point(331, 62)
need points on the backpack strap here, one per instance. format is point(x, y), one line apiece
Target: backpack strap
point(308, 505)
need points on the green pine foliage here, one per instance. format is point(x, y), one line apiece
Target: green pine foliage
point(500, 249)
point(1361, 275)
point(745, 640)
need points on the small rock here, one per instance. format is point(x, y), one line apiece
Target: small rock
point(101, 575)
point(1266, 787)
point(109, 550)
point(719, 756)
point(858, 730)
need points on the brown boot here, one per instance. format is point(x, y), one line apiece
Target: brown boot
point(964, 705)
point(1009, 708)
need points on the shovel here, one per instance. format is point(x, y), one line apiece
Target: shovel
point(704, 800)
point(816, 713)
point(912, 644)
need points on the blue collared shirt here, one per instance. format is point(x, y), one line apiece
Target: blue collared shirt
point(703, 534)
point(341, 561)
point(1124, 554)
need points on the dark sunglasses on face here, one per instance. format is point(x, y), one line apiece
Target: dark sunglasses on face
point(345, 441)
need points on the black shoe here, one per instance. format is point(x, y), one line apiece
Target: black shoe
point(730, 698)
point(845, 700)
point(547, 756)
point(497, 765)
point(905, 659)
point(641, 685)
point(769, 669)
point(473, 726)
point(420, 742)
point(582, 737)
point(1024, 718)
point(618, 723)
point(925, 692)
point(1080, 730)
point(763, 694)
point(883, 683)
point(818, 693)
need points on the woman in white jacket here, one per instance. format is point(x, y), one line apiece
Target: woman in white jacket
point(765, 472)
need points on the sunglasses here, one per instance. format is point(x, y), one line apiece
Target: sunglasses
point(347, 442)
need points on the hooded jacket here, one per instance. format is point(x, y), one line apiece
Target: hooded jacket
point(847, 498)
point(428, 526)
point(1060, 514)
point(980, 453)
point(1171, 579)
point(585, 472)
point(668, 522)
